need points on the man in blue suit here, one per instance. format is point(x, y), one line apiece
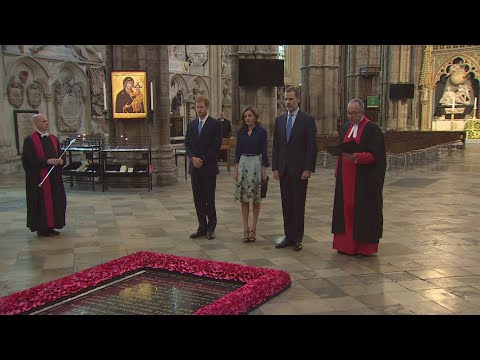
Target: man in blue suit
point(202, 143)
point(294, 155)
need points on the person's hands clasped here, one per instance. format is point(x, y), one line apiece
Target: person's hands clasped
point(351, 157)
point(275, 174)
point(306, 175)
point(235, 175)
point(264, 175)
point(55, 162)
point(197, 162)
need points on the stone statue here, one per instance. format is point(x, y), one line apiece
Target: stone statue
point(463, 94)
point(457, 87)
point(86, 52)
point(176, 103)
point(447, 96)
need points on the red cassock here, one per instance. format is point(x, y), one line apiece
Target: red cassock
point(349, 234)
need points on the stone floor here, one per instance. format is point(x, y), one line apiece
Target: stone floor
point(428, 260)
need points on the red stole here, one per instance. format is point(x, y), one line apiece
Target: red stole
point(361, 125)
point(47, 191)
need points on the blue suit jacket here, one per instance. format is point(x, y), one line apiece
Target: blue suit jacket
point(206, 146)
point(300, 153)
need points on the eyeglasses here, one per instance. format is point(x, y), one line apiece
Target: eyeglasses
point(353, 113)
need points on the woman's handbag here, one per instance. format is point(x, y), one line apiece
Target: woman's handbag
point(264, 187)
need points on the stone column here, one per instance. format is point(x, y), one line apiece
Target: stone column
point(215, 71)
point(235, 89)
point(324, 94)
point(164, 168)
point(400, 73)
point(3, 129)
point(352, 75)
point(385, 64)
point(264, 98)
point(108, 81)
point(305, 101)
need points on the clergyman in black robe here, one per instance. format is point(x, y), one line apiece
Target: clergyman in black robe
point(357, 222)
point(46, 205)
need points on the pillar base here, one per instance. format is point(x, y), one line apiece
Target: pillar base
point(164, 170)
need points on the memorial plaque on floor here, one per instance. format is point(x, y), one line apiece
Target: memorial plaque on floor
point(145, 292)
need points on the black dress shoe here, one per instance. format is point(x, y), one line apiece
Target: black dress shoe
point(198, 234)
point(284, 243)
point(297, 246)
point(53, 232)
point(210, 235)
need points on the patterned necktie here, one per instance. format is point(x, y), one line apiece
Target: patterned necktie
point(289, 125)
point(200, 124)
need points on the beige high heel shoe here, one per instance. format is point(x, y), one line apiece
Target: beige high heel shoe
point(246, 235)
point(254, 237)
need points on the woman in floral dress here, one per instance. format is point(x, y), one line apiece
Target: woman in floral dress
point(251, 168)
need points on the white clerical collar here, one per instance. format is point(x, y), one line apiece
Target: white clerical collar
point(354, 129)
point(43, 134)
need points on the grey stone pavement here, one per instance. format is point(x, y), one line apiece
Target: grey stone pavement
point(428, 260)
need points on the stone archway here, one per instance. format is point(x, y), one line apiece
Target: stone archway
point(439, 62)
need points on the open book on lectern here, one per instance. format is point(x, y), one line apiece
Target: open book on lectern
point(348, 147)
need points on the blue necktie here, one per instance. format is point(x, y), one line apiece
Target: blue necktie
point(199, 126)
point(289, 125)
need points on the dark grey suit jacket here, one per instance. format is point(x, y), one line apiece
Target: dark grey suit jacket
point(300, 153)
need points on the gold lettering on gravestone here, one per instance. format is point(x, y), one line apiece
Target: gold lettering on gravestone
point(151, 293)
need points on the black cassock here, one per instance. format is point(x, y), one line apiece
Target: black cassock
point(37, 198)
point(369, 179)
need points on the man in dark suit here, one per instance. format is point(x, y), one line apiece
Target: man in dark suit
point(294, 155)
point(202, 143)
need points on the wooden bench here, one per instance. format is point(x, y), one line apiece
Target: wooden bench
point(226, 144)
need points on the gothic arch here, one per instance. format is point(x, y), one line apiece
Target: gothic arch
point(39, 73)
point(198, 85)
point(442, 69)
point(181, 85)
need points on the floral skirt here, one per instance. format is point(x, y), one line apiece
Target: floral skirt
point(248, 186)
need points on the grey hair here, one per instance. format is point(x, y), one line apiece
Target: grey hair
point(359, 102)
point(37, 116)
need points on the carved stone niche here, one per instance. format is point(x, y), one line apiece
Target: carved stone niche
point(197, 54)
point(69, 104)
point(15, 92)
point(34, 95)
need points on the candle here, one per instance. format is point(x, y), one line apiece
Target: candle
point(453, 102)
point(475, 104)
point(151, 95)
point(104, 96)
